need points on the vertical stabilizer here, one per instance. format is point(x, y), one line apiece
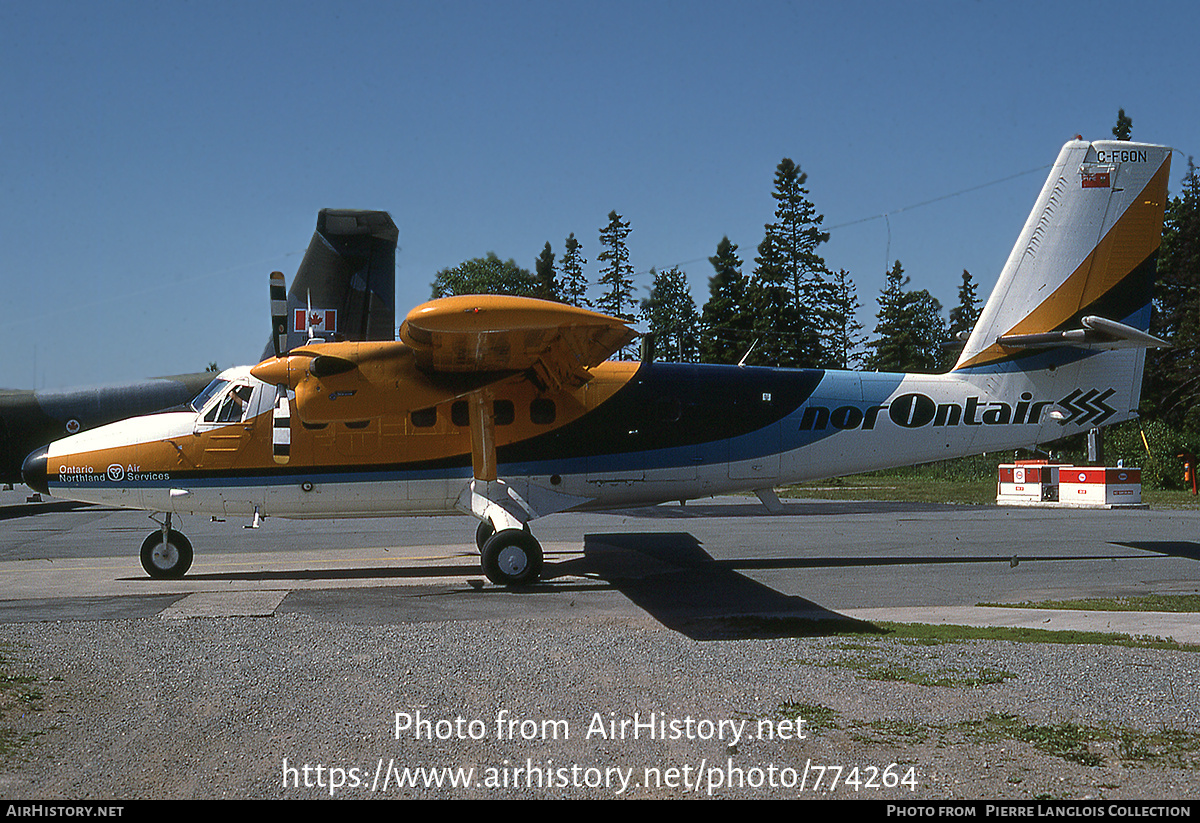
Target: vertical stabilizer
point(1085, 258)
point(345, 287)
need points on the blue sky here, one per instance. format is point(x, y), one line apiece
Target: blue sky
point(161, 159)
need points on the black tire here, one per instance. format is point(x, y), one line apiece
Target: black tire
point(483, 532)
point(166, 561)
point(512, 557)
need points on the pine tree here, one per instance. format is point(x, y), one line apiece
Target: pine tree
point(727, 320)
point(844, 340)
point(547, 277)
point(910, 330)
point(965, 315)
point(1124, 126)
point(796, 234)
point(670, 315)
point(775, 319)
point(963, 318)
point(574, 282)
point(1172, 390)
point(616, 276)
point(888, 348)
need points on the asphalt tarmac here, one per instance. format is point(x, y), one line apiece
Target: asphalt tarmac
point(716, 568)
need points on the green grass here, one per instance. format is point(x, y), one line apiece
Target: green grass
point(19, 695)
point(929, 633)
point(817, 718)
point(892, 732)
point(1173, 603)
point(936, 490)
point(1086, 745)
point(967, 481)
point(1082, 744)
point(875, 668)
point(1068, 741)
point(907, 489)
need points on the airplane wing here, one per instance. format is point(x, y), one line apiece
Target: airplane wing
point(482, 333)
point(449, 348)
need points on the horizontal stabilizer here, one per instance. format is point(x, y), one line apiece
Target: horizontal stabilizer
point(1097, 333)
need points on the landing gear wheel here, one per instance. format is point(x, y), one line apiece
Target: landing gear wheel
point(512, 557)
point(483, 532)
point(166, 560)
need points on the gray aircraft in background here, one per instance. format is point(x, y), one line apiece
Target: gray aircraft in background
point(344, 289)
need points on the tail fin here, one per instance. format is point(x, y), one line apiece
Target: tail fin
point(1082, 271)
point(347, 277)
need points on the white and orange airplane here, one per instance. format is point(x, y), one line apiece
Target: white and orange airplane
point(507, 409)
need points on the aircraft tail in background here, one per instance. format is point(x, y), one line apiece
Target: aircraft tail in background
point(345, 287)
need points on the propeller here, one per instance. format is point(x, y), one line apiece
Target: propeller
point(281, 426)
point(279, 313)
point(281, 418)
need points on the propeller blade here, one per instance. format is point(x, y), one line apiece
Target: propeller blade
point(281, 428)
point(279, 313)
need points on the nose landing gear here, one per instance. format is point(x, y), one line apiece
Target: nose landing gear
point(166, 553)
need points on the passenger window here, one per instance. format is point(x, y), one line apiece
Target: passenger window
point(503, 413)
point(668, 409)
point(424, 418)
point(542, 411)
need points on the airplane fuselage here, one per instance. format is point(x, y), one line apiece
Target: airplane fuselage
point(634, 434)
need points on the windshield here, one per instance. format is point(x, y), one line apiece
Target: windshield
point(209, 392)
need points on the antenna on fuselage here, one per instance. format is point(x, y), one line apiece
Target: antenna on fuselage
point(308, 325)
point(742, 362)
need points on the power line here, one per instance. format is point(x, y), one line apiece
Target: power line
point(968, 190)
point(885, 215)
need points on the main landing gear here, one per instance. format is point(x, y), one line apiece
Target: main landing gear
point(166, 553)
point(511, 557)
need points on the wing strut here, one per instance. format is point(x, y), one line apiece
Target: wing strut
point(483, 435)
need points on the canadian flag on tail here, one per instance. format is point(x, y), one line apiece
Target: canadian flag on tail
point(319, 320)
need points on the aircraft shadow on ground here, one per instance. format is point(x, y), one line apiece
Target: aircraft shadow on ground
point(360, 573)
point(17, 510)
point(675, 581)
point(789, 508)
point(672, 578)
point(682, 586)
point(1171, 548)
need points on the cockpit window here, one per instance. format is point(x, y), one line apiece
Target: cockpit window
point(210, 391)
point(232, 408)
